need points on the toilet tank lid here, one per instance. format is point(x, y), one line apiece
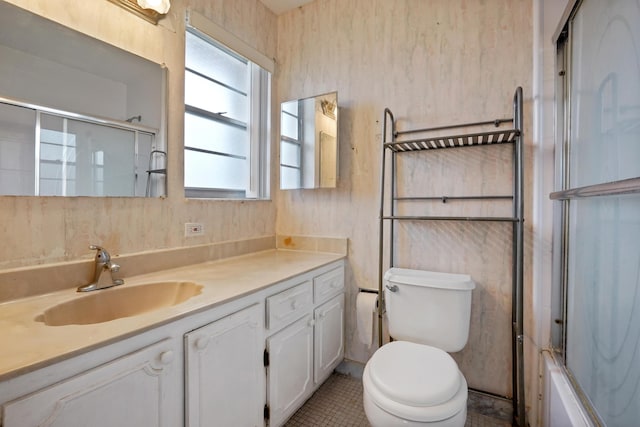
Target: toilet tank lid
point(433, 279)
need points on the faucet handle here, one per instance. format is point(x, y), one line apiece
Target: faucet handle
point(101, 255)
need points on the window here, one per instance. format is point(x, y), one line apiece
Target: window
point(290, 146)
point(226, 139)
point(598, 153)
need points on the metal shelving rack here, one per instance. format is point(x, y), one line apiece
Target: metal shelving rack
point(156, 157)
point(396, 143)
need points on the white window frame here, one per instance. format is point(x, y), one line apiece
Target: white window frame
point(259, 123)
point(294, 141)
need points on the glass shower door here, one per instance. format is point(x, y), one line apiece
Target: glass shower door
point(602, 350)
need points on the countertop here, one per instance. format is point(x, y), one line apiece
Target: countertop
point(29, 344)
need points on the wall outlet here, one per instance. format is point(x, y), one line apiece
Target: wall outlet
point(193, 229)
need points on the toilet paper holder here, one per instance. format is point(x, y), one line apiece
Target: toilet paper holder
point(372, 291)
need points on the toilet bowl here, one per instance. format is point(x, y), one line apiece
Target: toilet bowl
point(410, 384)
point(413, 381)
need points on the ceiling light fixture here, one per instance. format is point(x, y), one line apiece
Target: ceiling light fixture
point(150, 10)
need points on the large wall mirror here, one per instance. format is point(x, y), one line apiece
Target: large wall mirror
point(309, 142)
point(78, 117)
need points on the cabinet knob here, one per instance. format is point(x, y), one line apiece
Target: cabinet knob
point(311, 322)
point(166, 357)
point(295, 304)
point(202, 343)
point(321, 314)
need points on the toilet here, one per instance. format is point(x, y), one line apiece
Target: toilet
point(413, 381)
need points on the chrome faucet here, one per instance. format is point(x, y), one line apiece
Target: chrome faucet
point(104, 269)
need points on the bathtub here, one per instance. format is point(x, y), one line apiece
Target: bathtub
point(560, 405)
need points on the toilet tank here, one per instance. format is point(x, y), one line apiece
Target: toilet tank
point(430, 308)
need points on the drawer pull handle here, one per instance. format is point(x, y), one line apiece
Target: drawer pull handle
point(166, 357)
point(202, 343)
point(295, 304)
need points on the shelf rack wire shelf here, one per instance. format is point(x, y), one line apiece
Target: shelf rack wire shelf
point(399, 142)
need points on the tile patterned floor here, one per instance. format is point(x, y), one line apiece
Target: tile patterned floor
point(338, 403)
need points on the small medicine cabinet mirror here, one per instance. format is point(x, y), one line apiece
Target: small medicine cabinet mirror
point(78, 116)
point(309, 142)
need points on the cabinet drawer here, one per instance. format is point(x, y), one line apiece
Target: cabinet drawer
point(289, 305)
point(328, 284)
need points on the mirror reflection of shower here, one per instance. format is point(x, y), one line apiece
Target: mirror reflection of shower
point(78, 117)
point(53, 153)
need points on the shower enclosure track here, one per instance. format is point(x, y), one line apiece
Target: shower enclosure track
point(397, 143)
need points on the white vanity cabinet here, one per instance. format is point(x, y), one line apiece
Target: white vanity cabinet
point(302, 354)
point(247, 361)
point(224, 372)
point(137, 389)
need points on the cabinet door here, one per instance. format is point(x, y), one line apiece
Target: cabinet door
point(140, 389)
point(225, 376)
point(290, 369)
point(329, 337)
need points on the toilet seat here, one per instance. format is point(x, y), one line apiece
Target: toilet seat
point(415, 381)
